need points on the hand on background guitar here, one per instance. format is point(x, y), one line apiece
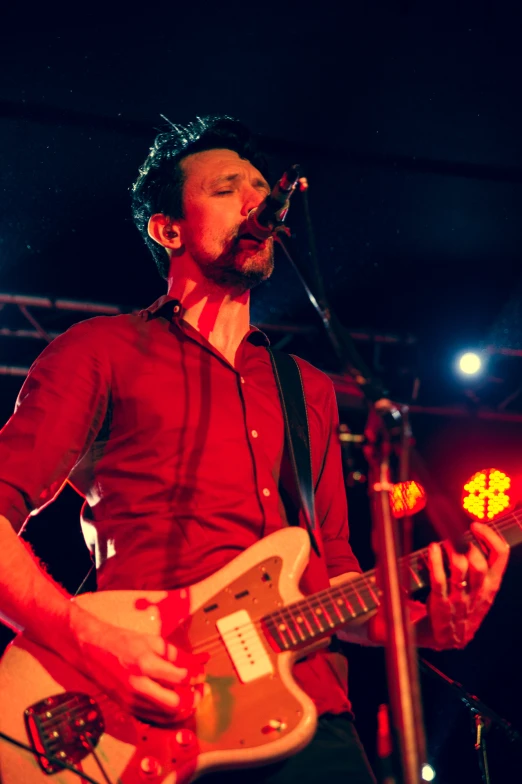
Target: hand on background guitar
point(151, 678)
point(457, 603)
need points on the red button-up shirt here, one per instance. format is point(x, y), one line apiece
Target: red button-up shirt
point(178, 455)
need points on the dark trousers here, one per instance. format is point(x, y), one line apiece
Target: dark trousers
point(334, 756)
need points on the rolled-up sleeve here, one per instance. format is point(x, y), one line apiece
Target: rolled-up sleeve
point(330, 498)
point(59, 411)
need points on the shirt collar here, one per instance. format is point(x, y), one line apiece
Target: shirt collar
point(171, 309)
point(164, 306)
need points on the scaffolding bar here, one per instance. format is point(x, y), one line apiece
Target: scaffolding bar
point(60, 304)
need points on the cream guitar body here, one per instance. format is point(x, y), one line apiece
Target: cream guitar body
point(252, 711)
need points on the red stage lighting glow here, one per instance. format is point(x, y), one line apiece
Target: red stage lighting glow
point(407, 498)
point(485, 494)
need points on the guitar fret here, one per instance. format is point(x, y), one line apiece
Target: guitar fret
point(283, 630)
point(422, 570)
point(333, 609)
point(374, 596)
point(275, 632)
point(285, 627)
point(335, 605)
point(308, 625)
point(415, 576)
point(359, 599)
point(299, 620)
point(349, 606)
point(310, 619)
point(316, 615)
point(327, 615)
point(299, 625)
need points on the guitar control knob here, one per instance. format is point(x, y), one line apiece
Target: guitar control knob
point(185, 737)
point(150, 766)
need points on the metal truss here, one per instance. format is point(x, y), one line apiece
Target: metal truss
point(38, 332)
point(344, 386)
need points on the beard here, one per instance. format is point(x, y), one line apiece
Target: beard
point(238, 266)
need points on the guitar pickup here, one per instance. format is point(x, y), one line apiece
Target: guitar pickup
point(244, 646)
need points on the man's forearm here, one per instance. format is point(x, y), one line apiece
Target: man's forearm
point(31, 601)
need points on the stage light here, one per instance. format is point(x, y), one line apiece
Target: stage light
point(427, 773)
point(485, 495)
point(407, 498)
point(470, 363)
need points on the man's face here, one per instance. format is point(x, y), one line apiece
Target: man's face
point(220, 189)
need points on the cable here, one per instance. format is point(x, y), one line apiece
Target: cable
point(89, 743)
point(80, 587)
point(53, 760)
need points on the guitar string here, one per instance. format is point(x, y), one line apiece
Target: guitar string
point(286, 613)
point(66, 707)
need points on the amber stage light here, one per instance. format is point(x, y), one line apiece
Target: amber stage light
point(407, 498)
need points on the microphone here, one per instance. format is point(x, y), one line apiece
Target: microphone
point(265, 219)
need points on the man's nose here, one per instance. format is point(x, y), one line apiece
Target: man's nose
point(251, 200)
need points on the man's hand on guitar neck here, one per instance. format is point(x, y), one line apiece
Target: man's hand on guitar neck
point(457, 603)
point(150, 677)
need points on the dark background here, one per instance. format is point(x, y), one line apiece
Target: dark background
point(406, 117)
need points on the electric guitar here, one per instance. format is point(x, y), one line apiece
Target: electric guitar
point(251, 618)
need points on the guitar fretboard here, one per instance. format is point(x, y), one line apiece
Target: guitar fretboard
point(321, 614)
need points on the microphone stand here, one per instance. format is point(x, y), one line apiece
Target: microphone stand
point(483, 716)
point(388, 434)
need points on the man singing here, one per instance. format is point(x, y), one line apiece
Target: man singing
point(169, 423)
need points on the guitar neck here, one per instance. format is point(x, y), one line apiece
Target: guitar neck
point(322, 614)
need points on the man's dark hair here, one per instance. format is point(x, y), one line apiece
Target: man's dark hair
point(159, 187)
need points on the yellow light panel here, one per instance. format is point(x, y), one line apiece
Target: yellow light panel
point(486, 495)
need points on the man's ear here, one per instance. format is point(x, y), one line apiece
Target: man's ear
point(165, 231)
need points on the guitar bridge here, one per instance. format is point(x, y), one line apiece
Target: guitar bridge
point(66, 727)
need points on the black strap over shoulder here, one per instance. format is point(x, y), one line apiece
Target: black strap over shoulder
point(293, 404)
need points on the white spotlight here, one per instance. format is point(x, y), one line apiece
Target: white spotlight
point(427, 773)
point(470, 363)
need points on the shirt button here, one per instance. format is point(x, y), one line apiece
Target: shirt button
point(254, 434)
point(266, 492)
point(242, 379)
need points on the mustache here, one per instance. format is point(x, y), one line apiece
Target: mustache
point(237, 235)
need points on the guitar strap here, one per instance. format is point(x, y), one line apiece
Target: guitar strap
point(297, 436)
